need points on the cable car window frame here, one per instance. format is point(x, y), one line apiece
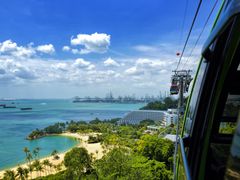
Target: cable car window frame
point(200, 78)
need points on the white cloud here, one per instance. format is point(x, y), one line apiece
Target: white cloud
point(153, 63)
point(24, 73)
point(145, 84)
point(111, 62)
point(81, 63)
point(66, 48)
point(97, 42)
point(47, 48)
point(10, 47)
point(75, 51)
point(60, 66)
point(134, 71)
point(145, 48)
point(24, 52)
point(91, 67)
point(7, 46)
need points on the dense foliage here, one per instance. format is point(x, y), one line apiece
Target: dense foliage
point(57, 128)
point(95, 139)
point(95, 125)
point(129, 152)
point(161, 105)
point(121, 163)
point(77, 162)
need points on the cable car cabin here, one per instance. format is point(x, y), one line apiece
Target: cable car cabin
point(209, 147)
point(174, 89)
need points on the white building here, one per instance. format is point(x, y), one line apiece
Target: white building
point(171, 137)
point(170, 117)
point(135, 117)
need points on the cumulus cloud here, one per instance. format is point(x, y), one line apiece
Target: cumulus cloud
point(97, 43)
point(111, 62)
point(10, 47)
point(24, 73)
point(76, 51)
point(60, 66)
point(81, 63)
point(134, 71)
point(66, 48)
point(24, 64)
point(47, 48)
point(7, 46)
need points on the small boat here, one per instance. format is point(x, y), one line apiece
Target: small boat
point(2, 105)
point(25, 109)
point(5, 106)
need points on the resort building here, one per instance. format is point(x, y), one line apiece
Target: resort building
point(135, 117)
point(171, 137)
point(170, 117)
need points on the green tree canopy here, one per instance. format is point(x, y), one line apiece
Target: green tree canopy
point(114, 164)
point(77, 161)
point(156, 148)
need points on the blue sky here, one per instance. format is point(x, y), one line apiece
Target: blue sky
point(65, 48)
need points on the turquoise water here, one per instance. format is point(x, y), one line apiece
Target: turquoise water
point(15, 124)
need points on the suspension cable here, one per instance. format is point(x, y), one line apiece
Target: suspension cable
point(189, 33)
point(183, 23)
point(210, 14)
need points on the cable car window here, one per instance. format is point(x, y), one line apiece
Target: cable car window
point(194, 97)
point(233, 165)
point(227, 128)
point(223, 130)
point(230, 113)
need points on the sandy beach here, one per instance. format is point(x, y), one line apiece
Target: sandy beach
point(95, 149)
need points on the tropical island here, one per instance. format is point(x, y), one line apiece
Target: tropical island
point(106, 151)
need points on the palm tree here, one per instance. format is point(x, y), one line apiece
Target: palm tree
point(40, 168)
point(25, 173)
point(59, 167)
point(28, 154)
point(9, 175)
point(55, 154)
point(36, 152)
point(26, 150)
point(20, 173)
point(50, 165)
point(30, 169)
point(46, 163)
point(29, 158)
point(55, 168)
point(36, 165)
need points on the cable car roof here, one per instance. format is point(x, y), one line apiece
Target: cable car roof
point(230, 9)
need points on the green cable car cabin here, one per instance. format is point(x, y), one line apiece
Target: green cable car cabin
point(209, 146)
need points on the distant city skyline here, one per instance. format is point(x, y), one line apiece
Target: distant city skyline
point(60, 49)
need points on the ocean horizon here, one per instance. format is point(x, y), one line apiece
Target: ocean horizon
point(16, 124)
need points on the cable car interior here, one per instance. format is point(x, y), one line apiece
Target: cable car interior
point(206, 148)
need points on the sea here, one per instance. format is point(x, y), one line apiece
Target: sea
point(16, 124)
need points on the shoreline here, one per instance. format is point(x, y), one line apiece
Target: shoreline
point(95, 149)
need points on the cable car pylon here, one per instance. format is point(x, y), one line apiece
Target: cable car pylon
point(181, 80)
